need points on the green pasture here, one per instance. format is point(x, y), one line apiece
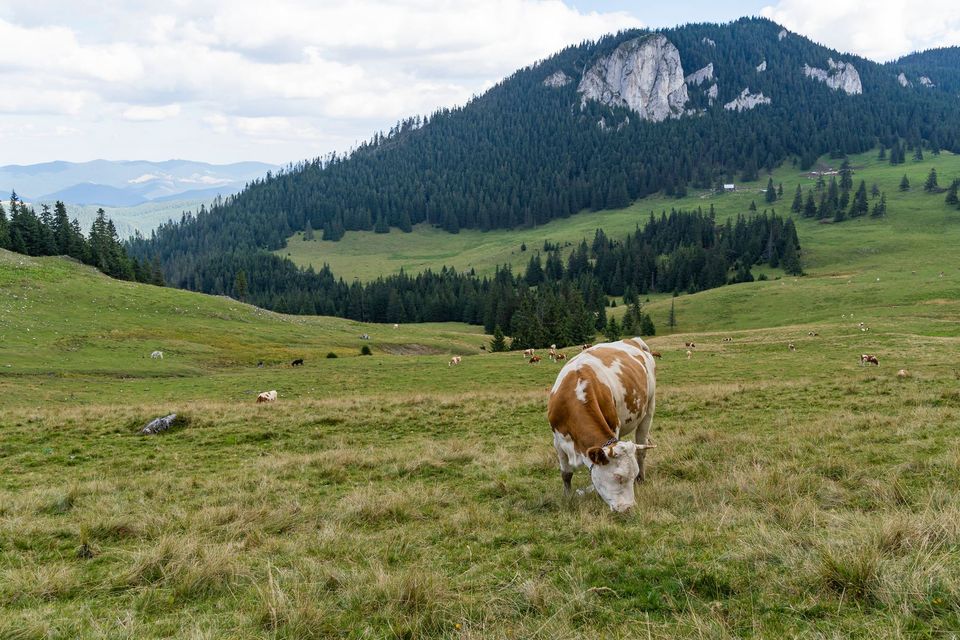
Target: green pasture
point(792, 493)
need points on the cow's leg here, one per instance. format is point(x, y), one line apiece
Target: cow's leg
point(640, 437)
point(566, 470)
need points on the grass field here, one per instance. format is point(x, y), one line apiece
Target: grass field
point(792, 494)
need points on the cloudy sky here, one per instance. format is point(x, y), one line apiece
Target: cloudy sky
point(228, 80)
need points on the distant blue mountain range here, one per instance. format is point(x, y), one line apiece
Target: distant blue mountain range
point(127, 183)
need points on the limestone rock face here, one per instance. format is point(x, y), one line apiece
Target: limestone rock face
point(643, 74)
point(841, 75)
point(708, 42)
point(712, 93)
point(746, 101)
point(700, 76)
point(557, 79)
point(762, 67)
point(902, 79)
point(927, 82)
point(782, 34)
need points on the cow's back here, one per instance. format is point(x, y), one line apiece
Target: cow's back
point(609, 387)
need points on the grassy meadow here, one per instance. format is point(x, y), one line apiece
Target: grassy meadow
point(792, 494)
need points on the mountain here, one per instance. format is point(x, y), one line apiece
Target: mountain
point(940, 67)
point(593, 127)
point(127, 183)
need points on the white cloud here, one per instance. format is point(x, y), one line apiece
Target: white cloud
point(881, 30)
point(142, 113)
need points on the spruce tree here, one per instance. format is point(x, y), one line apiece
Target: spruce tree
point(905, 183)
point(931, 184)
point(797, 205)
point(612, 330)
point(672, 318)
point(771, 193)
point(308, 231)
point(952, 193)
point(810, 207)
point(880, 208)
point(499, 343)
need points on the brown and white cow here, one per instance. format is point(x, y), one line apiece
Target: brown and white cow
point(866, 358)
point(267, 396)
point(604, 394)
point(534, 359)
point(454, 360)
point(528, 353)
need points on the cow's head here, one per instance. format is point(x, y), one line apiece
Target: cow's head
point(614, 471)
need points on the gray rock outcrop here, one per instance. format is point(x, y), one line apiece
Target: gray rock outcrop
point(782, 34)
point(902, 79)
point(762, 67)
point(712, 93)
point(557, 79)
point(841, 75)
point(746, 101)
point(709, 42)
point(927, 82)
point(643, 74)
point(700, 76)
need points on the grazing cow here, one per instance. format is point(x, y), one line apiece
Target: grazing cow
point(260, 365)
point(792, 347)
point(656, 354)
point(866, 359)
point(605, 394)
point(690, 345)
point(689, 354)
point(296, 363)
point(534, 359)
point(585, 347)
point(527, 353)
point(454, 360)
point(157, 355)
point(396, 326)
point(560, 356)
point(903, 373)
point(267, 396)
point(812, 334)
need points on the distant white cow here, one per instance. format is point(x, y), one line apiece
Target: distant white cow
point(157, 355)
point(454, 360)
point(267, 396)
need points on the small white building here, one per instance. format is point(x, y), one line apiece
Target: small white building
point(729, 187)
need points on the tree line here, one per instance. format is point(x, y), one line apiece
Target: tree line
point(53, 233)
point(558, 298)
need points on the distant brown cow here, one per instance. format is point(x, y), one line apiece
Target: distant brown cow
point(690, 345)
point(454, 360)
point(656, 354)
point(585, 347)
point(267, 396)
point(527, 353)
point(560, 356)
point(534, 359)
point(903, 373)
point(866, 359)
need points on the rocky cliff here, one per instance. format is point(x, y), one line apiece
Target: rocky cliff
point(643, 74)
point(746, 101)
point(840, 75)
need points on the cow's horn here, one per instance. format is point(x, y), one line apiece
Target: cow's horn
point(646, 446)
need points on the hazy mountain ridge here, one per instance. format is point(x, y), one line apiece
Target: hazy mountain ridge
point(127, 183)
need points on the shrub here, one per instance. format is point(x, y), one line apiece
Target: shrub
point(331, 354)
point(365, 351)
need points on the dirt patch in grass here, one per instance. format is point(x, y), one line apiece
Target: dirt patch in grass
point(410, 349)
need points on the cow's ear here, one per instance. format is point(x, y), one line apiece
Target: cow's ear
point(597, 455)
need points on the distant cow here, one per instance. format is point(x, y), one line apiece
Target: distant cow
point(396, 326)
point(454, 360)
point(528, 353)
point(267, 396)
point(605, 394)
point(534, 359)
point(903, 373)
point(866, 359)
point(585, 347)
point(792, 347)
point(656, 354)
point(812, 334)
point(157, 355)
point(689, 354)
point(260, 365)
point(560, 356)
point(690, 345)
point(296, 363)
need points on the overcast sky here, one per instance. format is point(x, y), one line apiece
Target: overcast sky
point(231, 80)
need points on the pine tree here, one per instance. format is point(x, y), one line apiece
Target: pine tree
point(880, 208)
point(646, 326)
point(771, 193)
point(846, 176)
point(308, 231)
point(860, 205)
point(499, 343)
point(612, 330)
point(918, 153)
point(952, 193)
point(797, 205)
point(874, 191)
point(753, 205)
point(4, 229)
point(672, 318)
point(381, 226)
point(904, 183)
point(883, 153)
point(931, 184)
point(240, 285)
point(810, 207)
